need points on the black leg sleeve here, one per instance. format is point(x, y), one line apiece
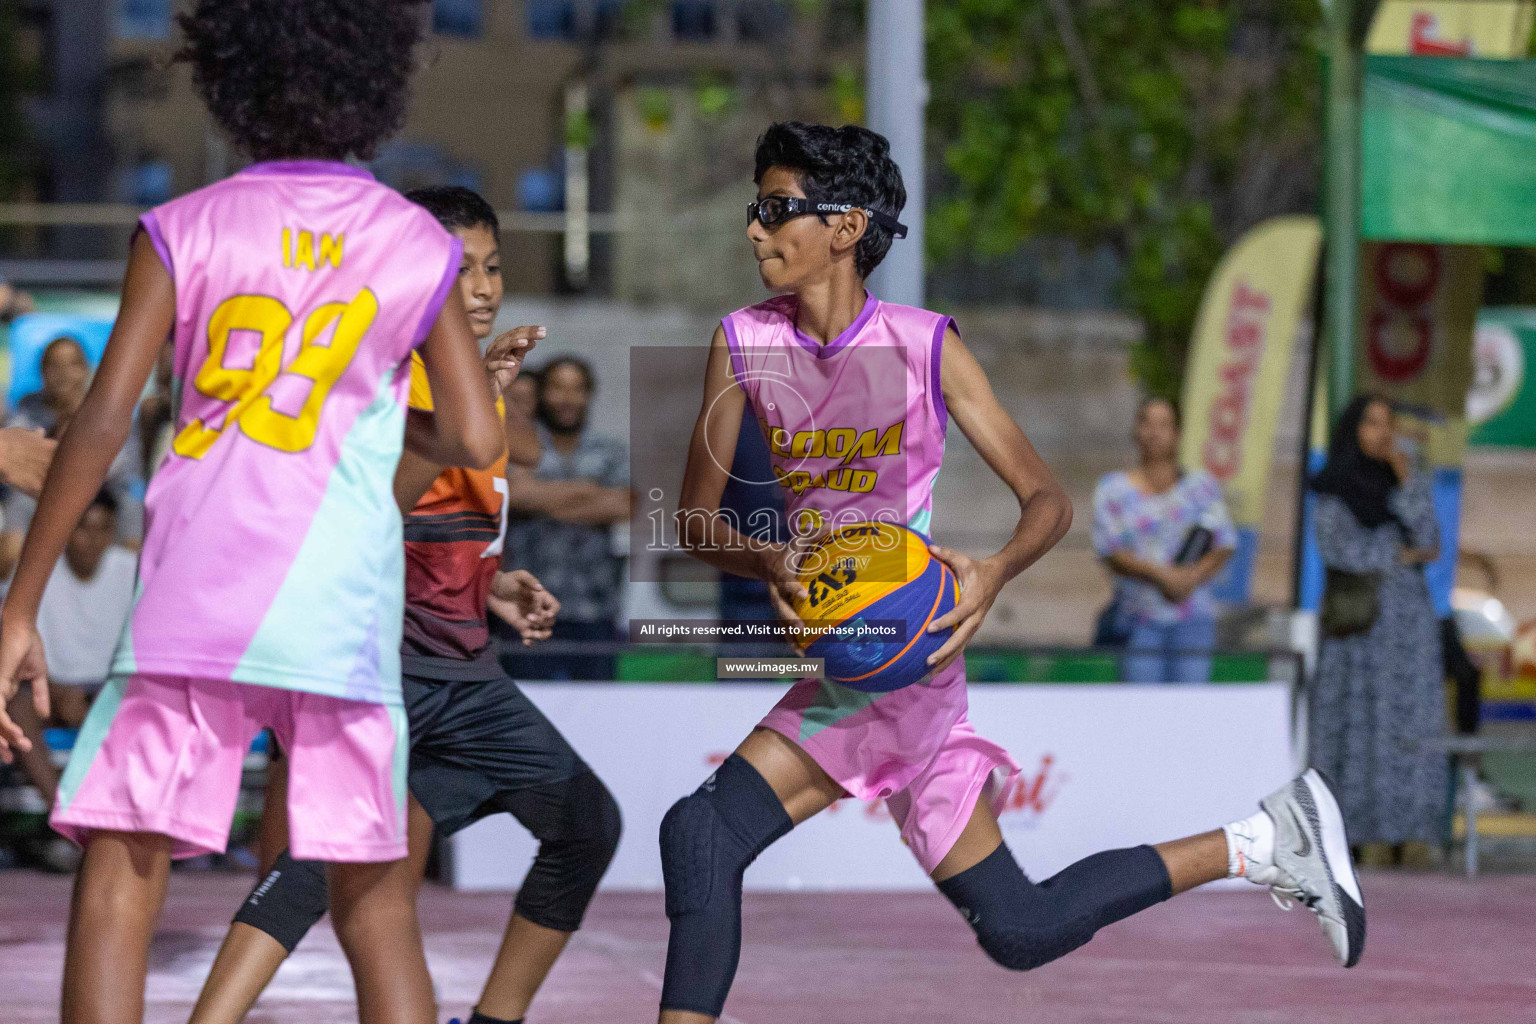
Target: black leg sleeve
point(577, 825)
point(707, 840)
point(1023, 925)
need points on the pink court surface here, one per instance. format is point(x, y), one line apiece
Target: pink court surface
point(1441, 950)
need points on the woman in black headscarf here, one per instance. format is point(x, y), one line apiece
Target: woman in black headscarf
point(1380, 692)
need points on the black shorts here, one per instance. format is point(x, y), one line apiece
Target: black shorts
point(475, 741)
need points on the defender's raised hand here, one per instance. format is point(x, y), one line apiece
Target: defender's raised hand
point(504, 358)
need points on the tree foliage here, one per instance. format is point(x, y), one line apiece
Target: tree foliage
point(16, 77)
point(1164, 128)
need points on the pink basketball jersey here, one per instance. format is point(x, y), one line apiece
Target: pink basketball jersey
point(272, 546)
point(855, 427)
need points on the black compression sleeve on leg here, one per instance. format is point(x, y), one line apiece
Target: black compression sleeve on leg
point(288, 902)
point(707, 840)
point(1023, 925)
point(577, 824)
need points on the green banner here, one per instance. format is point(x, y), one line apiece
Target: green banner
point(1501, 407)
point(1448, 151)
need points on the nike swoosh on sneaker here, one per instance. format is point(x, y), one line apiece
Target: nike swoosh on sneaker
point(1304, 848)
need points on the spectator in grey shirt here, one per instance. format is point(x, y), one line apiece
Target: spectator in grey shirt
point(560, 519)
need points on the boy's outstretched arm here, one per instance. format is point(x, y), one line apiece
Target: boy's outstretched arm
point(701, 529)
point(95, 436)
point(463, 428)
point(1045, 511)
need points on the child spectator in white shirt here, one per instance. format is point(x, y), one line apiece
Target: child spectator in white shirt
point(84, 607)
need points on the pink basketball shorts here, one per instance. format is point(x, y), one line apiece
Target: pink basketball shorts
point(165, 754)
point(914, 748)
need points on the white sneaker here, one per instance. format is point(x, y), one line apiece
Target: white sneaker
point(1311, 864)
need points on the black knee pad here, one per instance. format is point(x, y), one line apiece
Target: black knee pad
point(688, 853)
point(707, 840)
point(710, 836)
point(289, 901)
point(578, 825)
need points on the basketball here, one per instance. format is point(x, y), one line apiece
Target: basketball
point(873, 589)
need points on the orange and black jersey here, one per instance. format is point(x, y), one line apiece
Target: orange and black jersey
point(453, 542)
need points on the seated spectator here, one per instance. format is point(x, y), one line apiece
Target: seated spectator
point(1163, 534)
point(88, 599)
point(560, 523)
point(66, 376)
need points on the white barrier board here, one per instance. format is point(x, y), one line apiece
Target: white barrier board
point(1103, 766)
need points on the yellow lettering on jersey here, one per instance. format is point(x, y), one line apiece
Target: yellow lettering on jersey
point(330, 249)
point(842, 443)
point(868, 447)
point(299, 249)
point(305, 254)
point(778, 439)
point(248, 404)
point(854, 481)
point(808, 444)
point(839, 440)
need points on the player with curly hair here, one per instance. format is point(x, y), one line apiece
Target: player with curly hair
point(270, 592)
point(479, 746)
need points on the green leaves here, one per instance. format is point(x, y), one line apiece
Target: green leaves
point(1160, 127)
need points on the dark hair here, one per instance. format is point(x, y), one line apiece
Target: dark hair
point(850, 164)
point(1363, 483)
point(455, 206)
point(303, 78)
point(104, 499)
point(581, 365)
point(63, 339)
point(1149, 401)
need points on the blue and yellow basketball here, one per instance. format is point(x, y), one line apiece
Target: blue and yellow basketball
point(874, 588)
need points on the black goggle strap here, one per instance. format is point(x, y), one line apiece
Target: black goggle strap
point(885, 220)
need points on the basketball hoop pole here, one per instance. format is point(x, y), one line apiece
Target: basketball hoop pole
point(1341, 206)
point(896, 94)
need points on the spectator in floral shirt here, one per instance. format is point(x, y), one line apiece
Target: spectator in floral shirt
point(1163, 534)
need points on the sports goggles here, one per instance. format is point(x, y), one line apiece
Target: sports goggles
point(775, 210)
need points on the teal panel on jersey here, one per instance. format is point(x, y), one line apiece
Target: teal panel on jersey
point(123, 663)
point(353, 537)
